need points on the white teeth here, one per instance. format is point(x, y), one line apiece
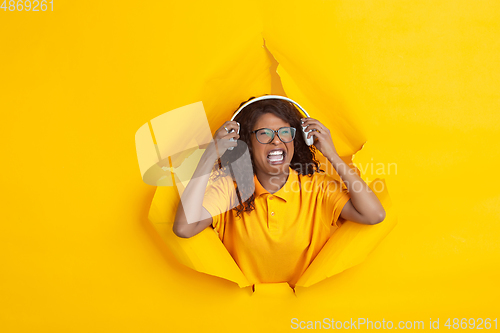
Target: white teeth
point(276, 152)
point(276, 159)
point(276, 155)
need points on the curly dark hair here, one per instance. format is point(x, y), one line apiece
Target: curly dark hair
point(303, 160)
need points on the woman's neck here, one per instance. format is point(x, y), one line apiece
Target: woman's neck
point(272, 183)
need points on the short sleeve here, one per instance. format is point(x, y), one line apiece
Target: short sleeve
point(218, 200)
point(335, 197)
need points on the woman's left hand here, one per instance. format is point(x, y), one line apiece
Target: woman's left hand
point(322, 138)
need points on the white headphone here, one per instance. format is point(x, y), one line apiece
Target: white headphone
point(309, 141)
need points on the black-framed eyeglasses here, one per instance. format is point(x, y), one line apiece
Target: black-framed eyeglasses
point(266, 135)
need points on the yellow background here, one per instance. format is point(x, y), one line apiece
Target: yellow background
point(420, 79)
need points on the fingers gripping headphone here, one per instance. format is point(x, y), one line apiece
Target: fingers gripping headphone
point(309, 141)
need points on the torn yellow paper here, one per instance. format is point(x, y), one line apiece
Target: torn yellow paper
point(348, 245)
point(175, 135)
point(203, 252)
point(351, 243)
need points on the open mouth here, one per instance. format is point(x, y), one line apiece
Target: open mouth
point(276, 156)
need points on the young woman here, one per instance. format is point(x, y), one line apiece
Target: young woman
point(277, 232)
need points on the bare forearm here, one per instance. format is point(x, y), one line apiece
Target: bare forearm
point(191, 218)
point(362, 197)
point(190, 207)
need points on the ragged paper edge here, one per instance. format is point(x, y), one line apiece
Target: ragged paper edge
point(199, 251)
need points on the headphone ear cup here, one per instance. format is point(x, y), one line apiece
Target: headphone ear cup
point(309, 141)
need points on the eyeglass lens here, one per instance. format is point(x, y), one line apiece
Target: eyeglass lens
point(266, 135)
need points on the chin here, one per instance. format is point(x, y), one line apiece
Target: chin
point(279, 168)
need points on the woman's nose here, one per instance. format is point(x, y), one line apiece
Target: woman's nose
point(276, 139)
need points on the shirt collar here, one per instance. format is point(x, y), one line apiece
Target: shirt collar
point(285, 192)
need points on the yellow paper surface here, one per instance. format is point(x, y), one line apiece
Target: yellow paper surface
point(205, 253)
point(416, 81)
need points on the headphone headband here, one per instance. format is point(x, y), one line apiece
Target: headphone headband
point(269, 97)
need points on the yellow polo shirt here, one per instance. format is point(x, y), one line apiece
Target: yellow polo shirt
point(278, 240)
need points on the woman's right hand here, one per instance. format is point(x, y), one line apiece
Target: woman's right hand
point(221, 137)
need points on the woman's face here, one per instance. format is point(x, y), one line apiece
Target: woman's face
point(271, 164)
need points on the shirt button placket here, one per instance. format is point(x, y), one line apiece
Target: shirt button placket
point(273, 225)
